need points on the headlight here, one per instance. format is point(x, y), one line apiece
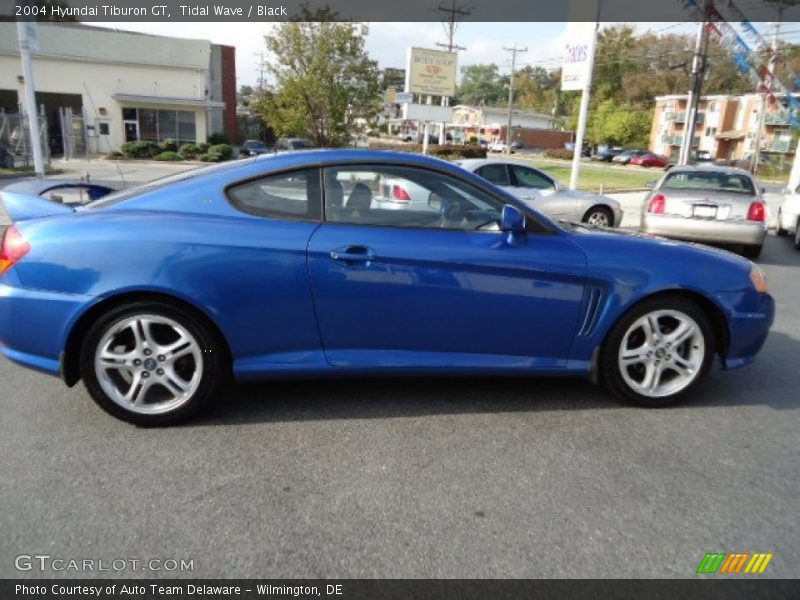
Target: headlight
point(759, 279)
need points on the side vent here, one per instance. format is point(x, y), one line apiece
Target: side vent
point(592, 303)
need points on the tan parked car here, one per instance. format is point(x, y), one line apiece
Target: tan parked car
point(710, 204)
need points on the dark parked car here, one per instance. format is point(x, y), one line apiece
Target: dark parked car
point(607, 154)
point(253, 148)
point(290, 269)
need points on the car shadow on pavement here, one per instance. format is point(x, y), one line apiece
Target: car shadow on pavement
point(770, 382)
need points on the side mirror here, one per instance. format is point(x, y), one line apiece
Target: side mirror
point(650, 184)
point(513, 221)
point(435, 202)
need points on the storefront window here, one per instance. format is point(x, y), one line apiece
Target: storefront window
point(159, 125)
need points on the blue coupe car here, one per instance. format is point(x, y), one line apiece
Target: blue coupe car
point(291, 266)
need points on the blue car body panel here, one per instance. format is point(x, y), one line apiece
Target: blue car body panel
point(429, 300)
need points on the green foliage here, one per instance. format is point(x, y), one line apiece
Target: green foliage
point(190, 151)
point(560, 153)
point(220, 152)
point(140, 149)
point(168, 145)
point(206, 158)
point(324, 79)
point(218, 138)
point(168, 155)
point(483, 83)
point(619, 125)
point(203, 148)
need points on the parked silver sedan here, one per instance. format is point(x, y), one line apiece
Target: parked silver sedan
point(545, 193)
point(711, 204)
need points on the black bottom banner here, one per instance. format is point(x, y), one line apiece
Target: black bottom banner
point(349, 589)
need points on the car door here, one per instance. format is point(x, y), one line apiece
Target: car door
point(438, 288)
point(541, 191)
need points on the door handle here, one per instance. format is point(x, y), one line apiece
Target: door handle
point(353, 254)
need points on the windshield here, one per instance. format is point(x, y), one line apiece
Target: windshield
point(709, 180)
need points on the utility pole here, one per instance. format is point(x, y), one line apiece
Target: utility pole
point(260, 56)
point(450, 26)
point(514, 51)
point(776, 30)
point(698, 72)
point(28, 42)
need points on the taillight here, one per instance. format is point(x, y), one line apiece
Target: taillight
point(400, 193)
point(14, 248)
point(757, 212)
point(658, 204)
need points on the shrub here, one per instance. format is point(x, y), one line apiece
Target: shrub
point(168, 145)
point(190, 151)
point(558, 153)
point(216, 139)
point(116, 154)
point(140, 149)
point(169, 155)
point(203, 148)
point(206, 158)
point(221, 152)
point(473, 139)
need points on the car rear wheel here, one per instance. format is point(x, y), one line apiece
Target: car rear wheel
point(599, 216)
point(151, 363)
point(780, 231)
point(657, 352)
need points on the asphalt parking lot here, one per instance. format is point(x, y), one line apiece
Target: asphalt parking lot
point(418, 477)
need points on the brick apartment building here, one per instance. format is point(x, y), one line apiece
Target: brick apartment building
point(726, 127)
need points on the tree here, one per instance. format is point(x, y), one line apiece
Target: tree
point(324, 82)
point(482, 83)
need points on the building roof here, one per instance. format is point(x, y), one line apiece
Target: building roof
point(77, 42)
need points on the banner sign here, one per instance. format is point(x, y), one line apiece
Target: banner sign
point(577, 67)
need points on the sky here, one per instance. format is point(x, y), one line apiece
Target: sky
point(387, 42)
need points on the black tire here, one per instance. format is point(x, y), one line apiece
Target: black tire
point(213, 356)
point(780, 231)
point(599, 210)
point(752, 252)
point(797, 235)
point(609, 371)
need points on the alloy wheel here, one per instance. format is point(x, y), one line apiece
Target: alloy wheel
point(661, 353)
point(148, 364)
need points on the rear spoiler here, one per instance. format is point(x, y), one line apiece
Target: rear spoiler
point(23, 207)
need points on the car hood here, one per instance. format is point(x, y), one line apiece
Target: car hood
point(630, 249)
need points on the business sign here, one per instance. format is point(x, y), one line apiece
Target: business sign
point(578, 56)
point(431, 72)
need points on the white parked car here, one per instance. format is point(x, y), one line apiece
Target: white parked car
point(497, 147)
point(789, 217)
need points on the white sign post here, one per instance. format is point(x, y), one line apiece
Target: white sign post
point(576, 74)
point(29, 41)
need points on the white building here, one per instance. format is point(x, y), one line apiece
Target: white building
point(121, 86)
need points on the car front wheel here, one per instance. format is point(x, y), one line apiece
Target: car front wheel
point(657, 352)
point(151, 363)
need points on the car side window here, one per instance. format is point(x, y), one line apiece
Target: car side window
point(397, 196)
point(495, 174)
point(292, 195)
point(530, 178)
